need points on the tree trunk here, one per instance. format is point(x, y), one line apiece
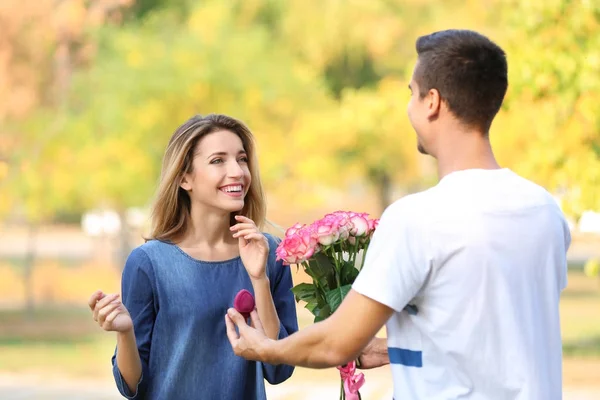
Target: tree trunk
point(28, 269)
point(124, 246)
point(384, 189)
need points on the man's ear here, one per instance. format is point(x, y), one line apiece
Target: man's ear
point(434, 103)
point(185, 183)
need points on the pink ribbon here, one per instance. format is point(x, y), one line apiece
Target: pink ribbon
point(352, 381)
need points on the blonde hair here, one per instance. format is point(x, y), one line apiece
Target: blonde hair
point(171, 209)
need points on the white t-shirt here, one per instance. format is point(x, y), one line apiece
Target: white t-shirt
point(481, 258)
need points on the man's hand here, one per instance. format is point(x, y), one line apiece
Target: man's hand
point(250, 343)
point(374, 355)
point(329, 343)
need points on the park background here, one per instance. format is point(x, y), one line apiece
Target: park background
point(91, 90)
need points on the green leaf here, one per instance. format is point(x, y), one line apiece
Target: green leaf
point(348, 273)
point(322, 265)
point(322, 270)
point(322, 313)
point(318, 319)
point(311, 306)
point(336, 296)
point(305, 292)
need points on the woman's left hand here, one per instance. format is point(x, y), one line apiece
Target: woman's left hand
point(254, 247)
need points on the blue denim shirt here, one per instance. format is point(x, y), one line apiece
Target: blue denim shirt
point(178, 306)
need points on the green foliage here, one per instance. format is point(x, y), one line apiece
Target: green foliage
point(320, 82)
point(552, 126)
point(143, 8)
point(592, 268)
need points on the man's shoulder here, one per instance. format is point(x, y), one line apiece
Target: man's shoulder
point(529, 184)
point(532, 194)
point(413, 204)
point(413, 212)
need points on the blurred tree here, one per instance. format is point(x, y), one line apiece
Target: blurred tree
point(40, 45)
point(140, 9)
point(368, 138)
point(87, 106)
point(153, 75)
point(550, 128)
point(352, 44)
point(357, 48)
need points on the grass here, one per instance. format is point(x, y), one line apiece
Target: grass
point(580, 316)
point(65, 341)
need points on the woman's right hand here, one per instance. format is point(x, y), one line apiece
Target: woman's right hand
point(110, 313)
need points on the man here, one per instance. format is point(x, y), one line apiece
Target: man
point(480, 259)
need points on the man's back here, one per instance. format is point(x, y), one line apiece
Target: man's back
point(489, 249)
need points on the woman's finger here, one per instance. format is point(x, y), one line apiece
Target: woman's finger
point(104, 312)
point(238, 227)
point(98, 295)
point(111, 317)
point(102, 303)
point(107, 300)
point(254, 236)
point(245, 232)
point(243, 219)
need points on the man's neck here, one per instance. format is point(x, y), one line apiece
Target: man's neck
point(466, 150)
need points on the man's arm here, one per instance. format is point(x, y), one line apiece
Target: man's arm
point(332, 342)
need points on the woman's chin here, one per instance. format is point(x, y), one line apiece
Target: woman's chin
point(234, 206)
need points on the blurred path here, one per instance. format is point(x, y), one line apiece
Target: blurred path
point(22, 387)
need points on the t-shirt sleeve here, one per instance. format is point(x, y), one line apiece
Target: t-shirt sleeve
point(285, 305)
point(137, 294)
point(396, 264)
point(564, 272)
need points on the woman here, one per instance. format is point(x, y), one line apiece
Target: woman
point(205, 246)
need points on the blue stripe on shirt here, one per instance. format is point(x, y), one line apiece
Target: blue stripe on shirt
point(410, 358)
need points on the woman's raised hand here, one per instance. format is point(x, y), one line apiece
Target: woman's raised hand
point(254, 247)
point(109, 312)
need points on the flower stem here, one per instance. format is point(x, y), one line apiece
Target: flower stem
point(334, 255)
point(362, 262)
point(355, 252)
point(306, 266)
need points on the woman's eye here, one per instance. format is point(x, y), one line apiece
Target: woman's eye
point(243, 159)
point(216, 161)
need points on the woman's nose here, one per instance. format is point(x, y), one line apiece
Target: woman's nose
point(234, 170)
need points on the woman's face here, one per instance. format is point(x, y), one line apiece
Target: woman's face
point(220, 177)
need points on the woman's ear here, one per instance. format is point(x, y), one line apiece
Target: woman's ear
point(185, 183)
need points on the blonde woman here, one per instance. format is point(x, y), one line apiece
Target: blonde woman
point(205, 246)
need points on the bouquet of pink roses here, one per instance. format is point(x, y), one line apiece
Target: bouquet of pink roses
point(329, 250)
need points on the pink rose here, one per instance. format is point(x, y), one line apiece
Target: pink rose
point(344, 224)
point(373, 224)
point(327, 230)
point(297, 247)
point(282, 254)
point(293, 229)
point(360, 225)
